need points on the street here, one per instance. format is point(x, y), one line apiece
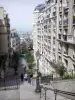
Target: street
point(26, 91)
point(22, 64)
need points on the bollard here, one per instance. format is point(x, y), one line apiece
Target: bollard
point(40, 91)
point(17, 82)
point(45, 93)
point(4, 83)
point(55, 94)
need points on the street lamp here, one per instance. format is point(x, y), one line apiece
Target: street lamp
point(37, 78)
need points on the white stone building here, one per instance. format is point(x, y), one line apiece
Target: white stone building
point(15, 41)
point(54, 34)
point(66, 33)
point(45, 37)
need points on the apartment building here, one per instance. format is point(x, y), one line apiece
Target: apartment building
point(25, 39)
point(66, 33)
point(54, 34)
point(4, 37)
point(45, 34)
point(15, 41)
point(4, 32)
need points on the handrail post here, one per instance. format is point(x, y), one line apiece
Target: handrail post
point(45, 93)
point(55, 94)
point(40, 91)
point(17, 82)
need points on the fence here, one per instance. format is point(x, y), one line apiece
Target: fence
point(54, 94)
point(9, 83)
point(9, 88)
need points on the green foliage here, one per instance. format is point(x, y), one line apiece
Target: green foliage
point(69, 76)
point(30, 60)
point(60, 69)
point(31, 66)
point(16, 57)
point(29, 57)
point(73, 16)
point(15, 60)
point(3, 61)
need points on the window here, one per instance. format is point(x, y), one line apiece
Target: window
point(74, 67)
point(56, 1)
point(66, 62)
point(49, 37)
point(74, 32)
point(74, 1)
point(54, 38)
point(53, 42)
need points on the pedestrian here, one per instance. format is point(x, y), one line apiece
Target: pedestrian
point(22, 77)
point(25, 77)
point(29, 79)
point(31, 76)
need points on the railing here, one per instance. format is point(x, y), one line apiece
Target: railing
point(52, 94)
point(9, 88)
point(9, 84)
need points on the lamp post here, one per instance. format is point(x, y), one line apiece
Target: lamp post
point(37, 78)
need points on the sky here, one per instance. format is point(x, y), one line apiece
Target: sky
point(20, 13)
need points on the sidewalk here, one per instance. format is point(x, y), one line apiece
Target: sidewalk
point(27, 92)
point(10, 94)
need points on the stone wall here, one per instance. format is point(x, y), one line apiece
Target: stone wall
point(65, 85)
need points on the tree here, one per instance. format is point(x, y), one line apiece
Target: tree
point(31, 68)
point(31, 45)
point(59, 68)
point(29, 57)
point(3, 60)
point(30, 60)
point(15, 60)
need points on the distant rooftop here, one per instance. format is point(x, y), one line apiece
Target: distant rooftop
point(39, 7)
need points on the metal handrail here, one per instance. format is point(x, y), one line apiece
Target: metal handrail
point(59, 92)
